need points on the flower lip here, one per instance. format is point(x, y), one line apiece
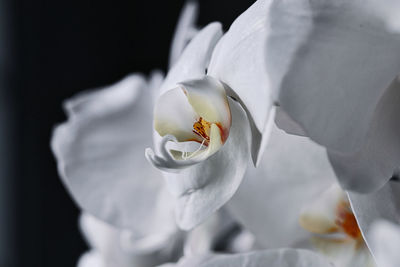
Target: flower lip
point(196, 110)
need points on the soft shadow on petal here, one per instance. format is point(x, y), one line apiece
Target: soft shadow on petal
point(194, 60)
point(185, 30)
point(330, 62)
point(293, 172)
point(203, 188)
point(270, 258)
point(239, 61)
point(374, 164)
point(368, 208)
point(99, 152)
point(385, 241)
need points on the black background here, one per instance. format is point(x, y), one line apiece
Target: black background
point(50, 50)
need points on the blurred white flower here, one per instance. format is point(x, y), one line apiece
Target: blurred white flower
point(293, 200)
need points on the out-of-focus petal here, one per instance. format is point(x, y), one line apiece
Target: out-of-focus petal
point(385, 242)
point(368, 208)
point(203, 188)
point(375, 162)
point(293, 172)
point(344, 253)
point(330, 62)
point(185, 30)
point(239, 61)
point(91, 259)
point(270, 258)
point(118, 247)
point(99, 152)
point(319, 216)
point(195, 58)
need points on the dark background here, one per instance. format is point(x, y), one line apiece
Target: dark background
point(50, 50)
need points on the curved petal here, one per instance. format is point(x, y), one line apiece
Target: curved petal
point(118, 248)
point(385, 241)
point(99, 152)
point(194, 60)
point(239, 61)
point(375, 163)
point(185, 30)
point(270, 258)
point(293, 172)
point(197, 111)
point(368, 208)
point(330, 62)
point(203, 188)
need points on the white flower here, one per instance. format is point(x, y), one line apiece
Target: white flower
point(292, 200)
point(100, 152)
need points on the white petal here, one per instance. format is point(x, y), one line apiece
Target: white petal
point(120, 248)
point(270, 258)
point(374, 164)
point(385, 241)
point(344, 253)
point(383, 204)
point(293, 172)
point(195, 58)
point(239, 61)
point(185, 30)
point(91, 259)
point(99, 152)
point(319, 215)
point(330, 62)
point(203, 188)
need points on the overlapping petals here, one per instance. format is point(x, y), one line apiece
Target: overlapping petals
point(385, 239)
point(330, 65)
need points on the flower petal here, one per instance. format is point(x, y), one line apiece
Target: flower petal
point(374, 164)
point(330, 62)
point(203, 188)
point(344, 253)
point(385, 242)
point(99, 152)
point(91, 259)
point(118, 247)
point(293, 172)
point(194, 60)
point(319, 215)
point(239, 61)
point(185, 30)
point(270, 258)
point(368, 208)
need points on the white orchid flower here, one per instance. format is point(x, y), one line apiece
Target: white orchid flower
point(385, 238)
point(100, 151)
point(270, 258)
point(112, 246)
point(211, 115)
point(331, 65)
point(293, 200)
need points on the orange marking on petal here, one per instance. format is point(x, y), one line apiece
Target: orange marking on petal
point(347, 221)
